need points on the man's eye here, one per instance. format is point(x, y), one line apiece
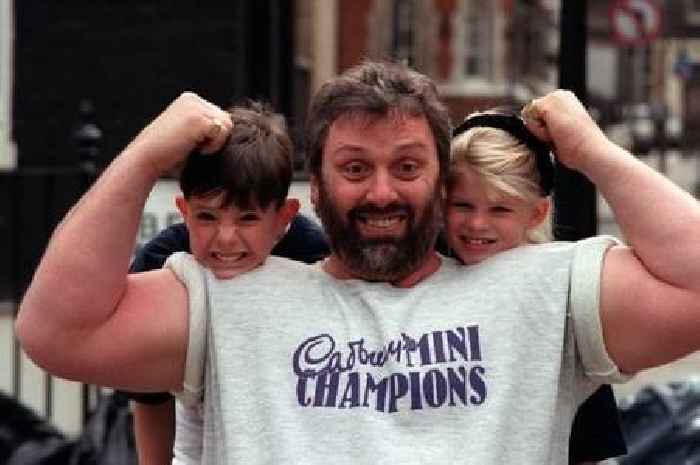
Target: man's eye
point(407, 168)
point(355, 169)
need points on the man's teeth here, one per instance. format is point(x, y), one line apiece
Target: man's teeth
point(382, 222)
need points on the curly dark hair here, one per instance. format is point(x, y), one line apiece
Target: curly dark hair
point(376, 88)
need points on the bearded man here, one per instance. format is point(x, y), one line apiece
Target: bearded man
point(387, 352)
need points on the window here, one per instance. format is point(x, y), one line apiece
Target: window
point(403, 43)
point(693, 11)
point(477, 42)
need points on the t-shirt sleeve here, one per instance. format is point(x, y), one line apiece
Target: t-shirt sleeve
point(584, 305)
point(188, 435)
point(192, 275)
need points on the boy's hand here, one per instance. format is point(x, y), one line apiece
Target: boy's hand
point(560, 118)
point(188, 123)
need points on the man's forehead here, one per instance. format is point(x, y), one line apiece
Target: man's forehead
point(365, 128)
point(393, 117)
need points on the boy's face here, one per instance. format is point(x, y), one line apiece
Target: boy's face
point(229, 240)
point(479, 224)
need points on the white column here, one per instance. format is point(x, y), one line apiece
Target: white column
point(324, 42)
point(8, 154)
point(7, 348)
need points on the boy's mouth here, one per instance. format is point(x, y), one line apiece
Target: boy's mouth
point(228, 257)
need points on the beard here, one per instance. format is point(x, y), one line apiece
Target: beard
point(384, 258)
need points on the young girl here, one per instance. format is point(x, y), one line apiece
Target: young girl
point(498, 190)
point(499, 197)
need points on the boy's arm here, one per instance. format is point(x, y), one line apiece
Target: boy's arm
point(650, 291)
point(154, 431)
point(83, 317)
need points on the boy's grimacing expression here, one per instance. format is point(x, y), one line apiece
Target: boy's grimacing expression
point(481, 222)
point(230, 240)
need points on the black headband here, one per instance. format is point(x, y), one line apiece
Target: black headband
point(515, 126)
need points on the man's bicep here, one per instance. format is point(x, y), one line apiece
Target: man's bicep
point(143, 344)
point(646, 322)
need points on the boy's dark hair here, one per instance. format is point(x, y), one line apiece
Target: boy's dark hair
point(376, 88)
point(253, 169)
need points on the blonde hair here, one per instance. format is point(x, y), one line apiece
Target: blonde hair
point(506, 166)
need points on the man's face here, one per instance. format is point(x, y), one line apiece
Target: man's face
point(229, 240)
point(379, 196)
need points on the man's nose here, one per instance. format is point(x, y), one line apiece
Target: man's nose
point(382, 189)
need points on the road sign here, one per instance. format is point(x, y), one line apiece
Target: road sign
point(635, 22)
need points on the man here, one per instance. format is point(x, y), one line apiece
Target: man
point(387, 353)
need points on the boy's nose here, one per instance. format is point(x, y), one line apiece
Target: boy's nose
point(382, 191)
point(228, 233)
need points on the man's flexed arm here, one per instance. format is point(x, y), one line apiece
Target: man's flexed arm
point(650, 298)
point(81, 310)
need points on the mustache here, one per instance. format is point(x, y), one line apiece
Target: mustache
point(371, 209)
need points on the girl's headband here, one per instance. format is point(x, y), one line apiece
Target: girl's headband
point(515, 126)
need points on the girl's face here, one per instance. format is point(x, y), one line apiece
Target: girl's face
point(479, 225)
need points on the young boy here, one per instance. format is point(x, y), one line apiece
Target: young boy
point(500, 182)
point(235, 210)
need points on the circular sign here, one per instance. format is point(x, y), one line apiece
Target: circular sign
point(635, 22)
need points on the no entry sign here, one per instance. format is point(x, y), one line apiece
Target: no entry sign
point(635, 22)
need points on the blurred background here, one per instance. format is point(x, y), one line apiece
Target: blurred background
point(78, 79)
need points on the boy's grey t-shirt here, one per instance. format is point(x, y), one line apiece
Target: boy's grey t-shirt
point(477, 365)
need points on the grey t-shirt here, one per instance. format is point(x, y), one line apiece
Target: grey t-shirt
point(477, 365)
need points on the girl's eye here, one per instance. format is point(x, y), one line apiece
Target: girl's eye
point(502, 209)
point(466, 206)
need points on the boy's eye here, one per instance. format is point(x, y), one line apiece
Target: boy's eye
point(250, 217)
point(205, 216)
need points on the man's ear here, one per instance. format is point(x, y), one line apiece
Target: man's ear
point(540, 212)
point(313, 191)
point(182, 205)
